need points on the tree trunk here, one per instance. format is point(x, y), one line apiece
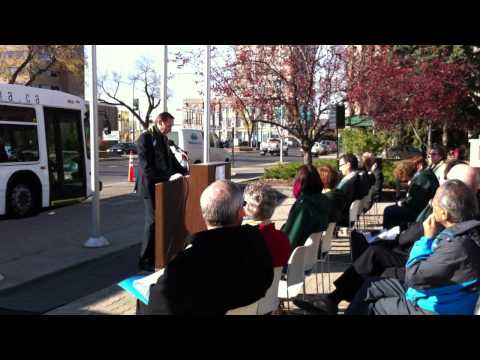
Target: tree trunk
point(445, 134)
point(307, 154)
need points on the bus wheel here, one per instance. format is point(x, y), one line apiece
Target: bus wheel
point(22, 200)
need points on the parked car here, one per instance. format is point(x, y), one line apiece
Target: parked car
point(272, 146)
point(399, 152)
point(319, 149)
point(330, 144)
point(122, 148)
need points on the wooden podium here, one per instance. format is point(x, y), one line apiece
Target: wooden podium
point(177, 208)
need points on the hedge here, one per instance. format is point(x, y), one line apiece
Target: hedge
point(288, 171)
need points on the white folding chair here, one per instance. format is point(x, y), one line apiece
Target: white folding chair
point(295, 275)
point(270, 301)
point(311, 256)
point(324, 253)
point(244, 310)
point(354, 213)
point(477, 307)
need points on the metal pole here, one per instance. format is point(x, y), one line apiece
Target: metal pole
point(165, 77)
point(206, 109)
point(133, 107)
point(96, 240)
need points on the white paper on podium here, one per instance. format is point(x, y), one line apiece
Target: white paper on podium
point(220, 172)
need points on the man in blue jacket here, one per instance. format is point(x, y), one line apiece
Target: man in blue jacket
point(443, 269)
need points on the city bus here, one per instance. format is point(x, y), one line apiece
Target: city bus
point(44, 149)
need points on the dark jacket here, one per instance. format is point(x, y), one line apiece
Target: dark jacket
point(421, 190)
point(377, 183)
point(443, 274)
point(156, 162)
point(308, 215)
point(337, 203)
point(224, 269)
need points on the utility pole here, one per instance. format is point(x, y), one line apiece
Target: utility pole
point(95, 240)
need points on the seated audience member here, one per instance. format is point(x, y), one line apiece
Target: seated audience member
point(436, 160)
point(260, 204)
point(384, 258)
point(443, 268)
point(329, 178)
point(454, 154)
point(227, 266)
point(377, 171)
point(309, 213)
point(349, 185)
point(422, 186)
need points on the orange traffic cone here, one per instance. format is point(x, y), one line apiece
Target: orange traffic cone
point(131, 170)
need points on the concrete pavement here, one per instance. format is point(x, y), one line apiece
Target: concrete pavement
point(115, 301)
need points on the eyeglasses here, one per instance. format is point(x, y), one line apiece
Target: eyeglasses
point(341, 164)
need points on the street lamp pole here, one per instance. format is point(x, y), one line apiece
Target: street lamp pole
point(95, 240)
point(206, 109)
point(165, 77)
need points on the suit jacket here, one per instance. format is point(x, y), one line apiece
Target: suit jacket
point(422, 189)
point(225, 268)
point(156, 162)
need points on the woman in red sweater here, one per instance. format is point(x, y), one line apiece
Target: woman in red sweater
point(260, 204)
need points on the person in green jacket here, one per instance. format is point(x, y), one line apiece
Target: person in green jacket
point(422, 186)
point(309, 214)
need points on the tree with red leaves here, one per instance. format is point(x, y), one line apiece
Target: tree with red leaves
point(400, 90)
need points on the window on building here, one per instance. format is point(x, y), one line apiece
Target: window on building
point(53, 74)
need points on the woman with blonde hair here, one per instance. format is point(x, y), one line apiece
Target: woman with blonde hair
point(260, 203)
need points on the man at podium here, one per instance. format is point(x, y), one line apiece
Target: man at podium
point(156, 163)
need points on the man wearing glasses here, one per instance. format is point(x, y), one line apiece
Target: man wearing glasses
point(350, 183)
point(436, 159)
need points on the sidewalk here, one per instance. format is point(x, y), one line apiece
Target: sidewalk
point(115, 301)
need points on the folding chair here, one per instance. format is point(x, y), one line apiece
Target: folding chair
point(324, 253)
point(270, 301)
point(244, 310)
point(354, 214)
point(290, 287)
point(311, 256)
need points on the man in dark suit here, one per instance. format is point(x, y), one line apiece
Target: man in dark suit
point(156, 163)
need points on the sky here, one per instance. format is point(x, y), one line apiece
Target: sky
point(123, 58)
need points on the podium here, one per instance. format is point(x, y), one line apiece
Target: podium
point(177, 208)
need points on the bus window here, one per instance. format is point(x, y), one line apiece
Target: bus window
point(17, 114)
point(18, 143)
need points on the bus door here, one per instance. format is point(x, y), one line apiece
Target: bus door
point(66, 158)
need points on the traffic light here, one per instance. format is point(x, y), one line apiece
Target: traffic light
point(135, 104)
point(340, 116)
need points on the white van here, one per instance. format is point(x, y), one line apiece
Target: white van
point(191, 141)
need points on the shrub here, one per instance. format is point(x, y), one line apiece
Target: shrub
point(288, 171)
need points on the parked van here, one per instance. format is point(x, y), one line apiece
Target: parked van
point(191, 141)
